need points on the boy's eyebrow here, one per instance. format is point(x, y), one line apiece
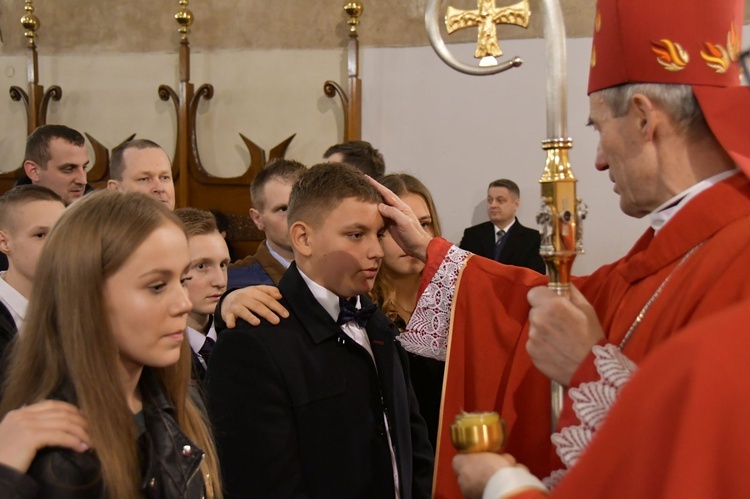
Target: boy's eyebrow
point(358, 226)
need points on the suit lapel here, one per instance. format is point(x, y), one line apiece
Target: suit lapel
point(488, 240)
point(509, 242)
point(310, 313)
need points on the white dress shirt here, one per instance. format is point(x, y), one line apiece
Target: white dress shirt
point(14, 301)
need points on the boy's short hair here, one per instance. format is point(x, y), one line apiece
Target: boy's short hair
point(37, 143)
point(361, 155)
point(19, 196)
point(117, 158)
point(287, 170)
point(197, 222)
point(323, 187)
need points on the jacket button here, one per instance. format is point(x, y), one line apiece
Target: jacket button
point(152, 483)
point(187, 451)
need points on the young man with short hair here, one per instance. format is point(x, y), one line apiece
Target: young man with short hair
point(269, 192)
point(56, 158)
point(321, 405)
point(359, 154)
point(206, 281)
point(27, 214)
point(142, 165)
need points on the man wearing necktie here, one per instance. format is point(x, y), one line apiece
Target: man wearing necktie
point(321, 405)
point(503, 238)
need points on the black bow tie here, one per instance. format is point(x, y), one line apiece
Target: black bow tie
point(349, 312)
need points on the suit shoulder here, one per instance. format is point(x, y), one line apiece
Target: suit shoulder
point(479, 227)
point(528, 230)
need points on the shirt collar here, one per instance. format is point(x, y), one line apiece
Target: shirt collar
point(13, 300)
point(664, 213)
point(283, 261)
point(196, 338)
point(506, 228)
point(327, 299)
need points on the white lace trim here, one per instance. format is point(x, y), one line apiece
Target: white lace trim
point(591, 403)
point(426, 334)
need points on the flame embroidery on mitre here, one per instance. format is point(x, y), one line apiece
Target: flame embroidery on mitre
point(733, 43)
point(597, 28)
point(716, 57)
point(719, 58)
point(670, 55)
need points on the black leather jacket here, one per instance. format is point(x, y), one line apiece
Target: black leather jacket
point(170, 463)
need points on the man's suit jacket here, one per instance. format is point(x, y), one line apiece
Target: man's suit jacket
point(298, 407)
point(521, 246)
point(253, 270)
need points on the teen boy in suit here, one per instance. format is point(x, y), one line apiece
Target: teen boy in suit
point(321, 405)
point(205, 282)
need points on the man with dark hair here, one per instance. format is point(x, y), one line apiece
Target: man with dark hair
point(359, 154)
point(56, 158)
point(142, 165)
point(321, 405)
point(503, 238)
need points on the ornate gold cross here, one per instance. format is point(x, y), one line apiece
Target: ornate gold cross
point(485, 18)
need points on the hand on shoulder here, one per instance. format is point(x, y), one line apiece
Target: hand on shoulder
point(51, 423)
point(251, 303)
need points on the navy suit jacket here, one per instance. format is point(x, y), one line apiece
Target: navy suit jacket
point(521, 247)
point(298, 407)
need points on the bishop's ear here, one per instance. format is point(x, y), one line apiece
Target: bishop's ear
point(646, 113)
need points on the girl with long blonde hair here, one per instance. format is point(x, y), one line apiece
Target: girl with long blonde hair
point(105, 331)
point(396, 288)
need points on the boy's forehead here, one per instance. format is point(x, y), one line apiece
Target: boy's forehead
point(210, 240)
point(32, 213)
point(353, 211)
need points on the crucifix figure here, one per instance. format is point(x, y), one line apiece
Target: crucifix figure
point(485, 17)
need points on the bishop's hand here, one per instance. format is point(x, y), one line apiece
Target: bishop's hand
point(562, 332)
point(403, 224)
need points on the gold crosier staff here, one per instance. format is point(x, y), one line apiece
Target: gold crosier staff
point(561, 211)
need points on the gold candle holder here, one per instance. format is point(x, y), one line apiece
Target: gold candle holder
point(478, 432)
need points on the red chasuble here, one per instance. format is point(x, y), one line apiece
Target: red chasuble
point(694, 267)
point(678, 428)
